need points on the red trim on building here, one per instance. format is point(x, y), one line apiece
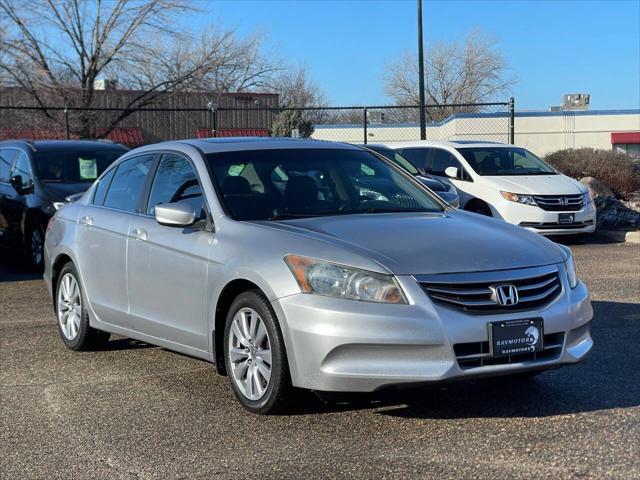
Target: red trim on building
point(625, 138)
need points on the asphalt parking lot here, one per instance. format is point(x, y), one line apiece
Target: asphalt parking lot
point(133, 411)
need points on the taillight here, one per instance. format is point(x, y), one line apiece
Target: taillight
point(50, 224)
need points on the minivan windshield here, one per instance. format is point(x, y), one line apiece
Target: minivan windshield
point(396, 158)
point(282, 184)
point(73, 166)
point(505, 161)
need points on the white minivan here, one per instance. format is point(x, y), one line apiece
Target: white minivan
point(507, 182)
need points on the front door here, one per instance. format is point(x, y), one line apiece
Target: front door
point(167, 266)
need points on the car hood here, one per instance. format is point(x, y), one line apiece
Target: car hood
point(57, 192)
point(537, 184)
point(424, 243)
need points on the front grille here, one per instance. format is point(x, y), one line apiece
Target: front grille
point(559, 203)
point(477, 354)
point(472, 292)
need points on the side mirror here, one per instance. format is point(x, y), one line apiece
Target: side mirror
point(451, 172)
point(16, 183)
point(179, 214)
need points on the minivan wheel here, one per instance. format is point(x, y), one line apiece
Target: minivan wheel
point(73, 318)
point(255, 355)
point(35, 244)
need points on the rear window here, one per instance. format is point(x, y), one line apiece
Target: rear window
point(74, 166)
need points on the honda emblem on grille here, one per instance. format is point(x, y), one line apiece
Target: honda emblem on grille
point(505, 294)
point(564, 201)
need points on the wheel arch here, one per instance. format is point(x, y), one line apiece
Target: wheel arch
point(476, 202)
point(227, 295)
point(56, 267)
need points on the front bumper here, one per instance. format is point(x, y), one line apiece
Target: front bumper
point(546, 222)
point(343, 345)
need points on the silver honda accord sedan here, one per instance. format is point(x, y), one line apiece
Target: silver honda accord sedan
point(300, 263)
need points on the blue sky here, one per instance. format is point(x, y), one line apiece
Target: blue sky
point(553, 47)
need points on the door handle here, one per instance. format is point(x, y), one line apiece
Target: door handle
point(86, 220)
point(139, 234)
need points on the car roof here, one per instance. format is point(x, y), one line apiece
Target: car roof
point(230, 144)
point(445, 143)
point(63, 145)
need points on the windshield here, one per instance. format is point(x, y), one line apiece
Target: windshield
point(396, 158)
point(296, 183)
point(75, 166)
point(505, 161)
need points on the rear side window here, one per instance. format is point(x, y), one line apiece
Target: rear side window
point(176, 181)
point(6, 159)
point(127, 184)
point(103, 186)
point(419, 157)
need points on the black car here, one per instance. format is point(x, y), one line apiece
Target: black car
point(35, 179)
point(444, 190)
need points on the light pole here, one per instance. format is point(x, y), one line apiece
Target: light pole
point(423, 117)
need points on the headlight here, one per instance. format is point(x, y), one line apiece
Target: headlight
point(586, 197)
point(570, 267)
point(518, 198)
point(333, 280)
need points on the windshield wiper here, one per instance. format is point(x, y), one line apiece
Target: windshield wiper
point(289, 216)
point(388, 210)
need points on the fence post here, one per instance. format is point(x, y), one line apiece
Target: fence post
point(213, 108)
point(66, 122)
point(512, 121)
point(365, 121)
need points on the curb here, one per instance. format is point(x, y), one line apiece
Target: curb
point(621, 236)
point(632, 237)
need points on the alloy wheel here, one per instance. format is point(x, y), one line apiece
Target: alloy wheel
point(250, 354)
point(36, 246)
point(69, 306)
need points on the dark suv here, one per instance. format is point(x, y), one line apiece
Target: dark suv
point(35, 179)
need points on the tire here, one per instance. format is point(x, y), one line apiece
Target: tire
point(35, 247)
point(72, 314)
point(480, 208)
point(252, 329)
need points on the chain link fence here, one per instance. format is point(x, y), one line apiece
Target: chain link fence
point(367, 124)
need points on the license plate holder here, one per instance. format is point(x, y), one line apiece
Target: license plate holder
point(516, 337)
point(564, 218)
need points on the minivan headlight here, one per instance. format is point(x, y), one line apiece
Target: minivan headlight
point(518, 198)
point(570, 267)
point(334, 280)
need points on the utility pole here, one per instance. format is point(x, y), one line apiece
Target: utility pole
point(423, 113)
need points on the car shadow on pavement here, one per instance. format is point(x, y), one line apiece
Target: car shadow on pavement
point(15, 268)
point(609, 378)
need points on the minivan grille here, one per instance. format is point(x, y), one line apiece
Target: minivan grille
point(559, 203)
point(475, 295)
point(477, 354)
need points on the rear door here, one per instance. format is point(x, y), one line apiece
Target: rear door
point(167, 266)
point(102, 238)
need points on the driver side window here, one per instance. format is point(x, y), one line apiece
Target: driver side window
point(22, 167)
point(176, 181)
point(442, 160)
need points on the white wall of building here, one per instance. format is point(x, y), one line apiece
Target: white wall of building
point(540, 132)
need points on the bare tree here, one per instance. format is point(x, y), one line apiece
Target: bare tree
point(471, 71)
point(296, 90)
point(55, 50)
